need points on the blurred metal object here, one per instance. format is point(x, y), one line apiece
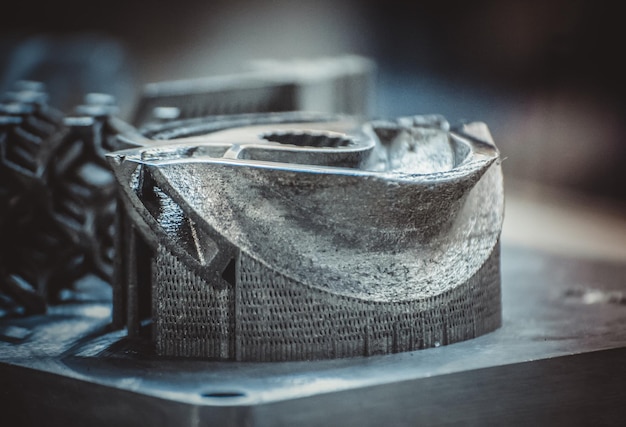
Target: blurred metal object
point(30, 135)
point(71, 67)
point(299, 237)
point(330, 85)
point(57, 197)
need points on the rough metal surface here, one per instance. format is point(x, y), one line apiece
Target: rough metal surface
point(556, 360)
point(293, 240)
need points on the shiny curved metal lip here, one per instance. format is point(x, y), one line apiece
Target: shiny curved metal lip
point(448, 190)
point(479, 158)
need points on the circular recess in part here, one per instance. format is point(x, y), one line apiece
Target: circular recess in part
point(309, 139)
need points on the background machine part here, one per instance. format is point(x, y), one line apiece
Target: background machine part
point(340, 85)
point(57, 198)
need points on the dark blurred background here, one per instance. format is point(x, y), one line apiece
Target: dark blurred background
point(547, 76)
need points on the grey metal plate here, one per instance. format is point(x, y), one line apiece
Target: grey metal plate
point(560, 358)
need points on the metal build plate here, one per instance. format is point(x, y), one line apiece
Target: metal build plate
point(559, 358)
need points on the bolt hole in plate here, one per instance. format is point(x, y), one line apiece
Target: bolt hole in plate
point(223, 394)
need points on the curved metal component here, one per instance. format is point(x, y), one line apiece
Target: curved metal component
point(285, 241)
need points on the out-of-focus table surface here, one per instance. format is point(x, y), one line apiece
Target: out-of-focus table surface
point(563, 222)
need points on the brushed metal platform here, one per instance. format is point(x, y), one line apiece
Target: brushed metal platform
point(559, 358)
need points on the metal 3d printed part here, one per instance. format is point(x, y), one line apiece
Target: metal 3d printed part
point(294, 236)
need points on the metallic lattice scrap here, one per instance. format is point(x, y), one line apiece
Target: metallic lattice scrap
point(306, 237)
